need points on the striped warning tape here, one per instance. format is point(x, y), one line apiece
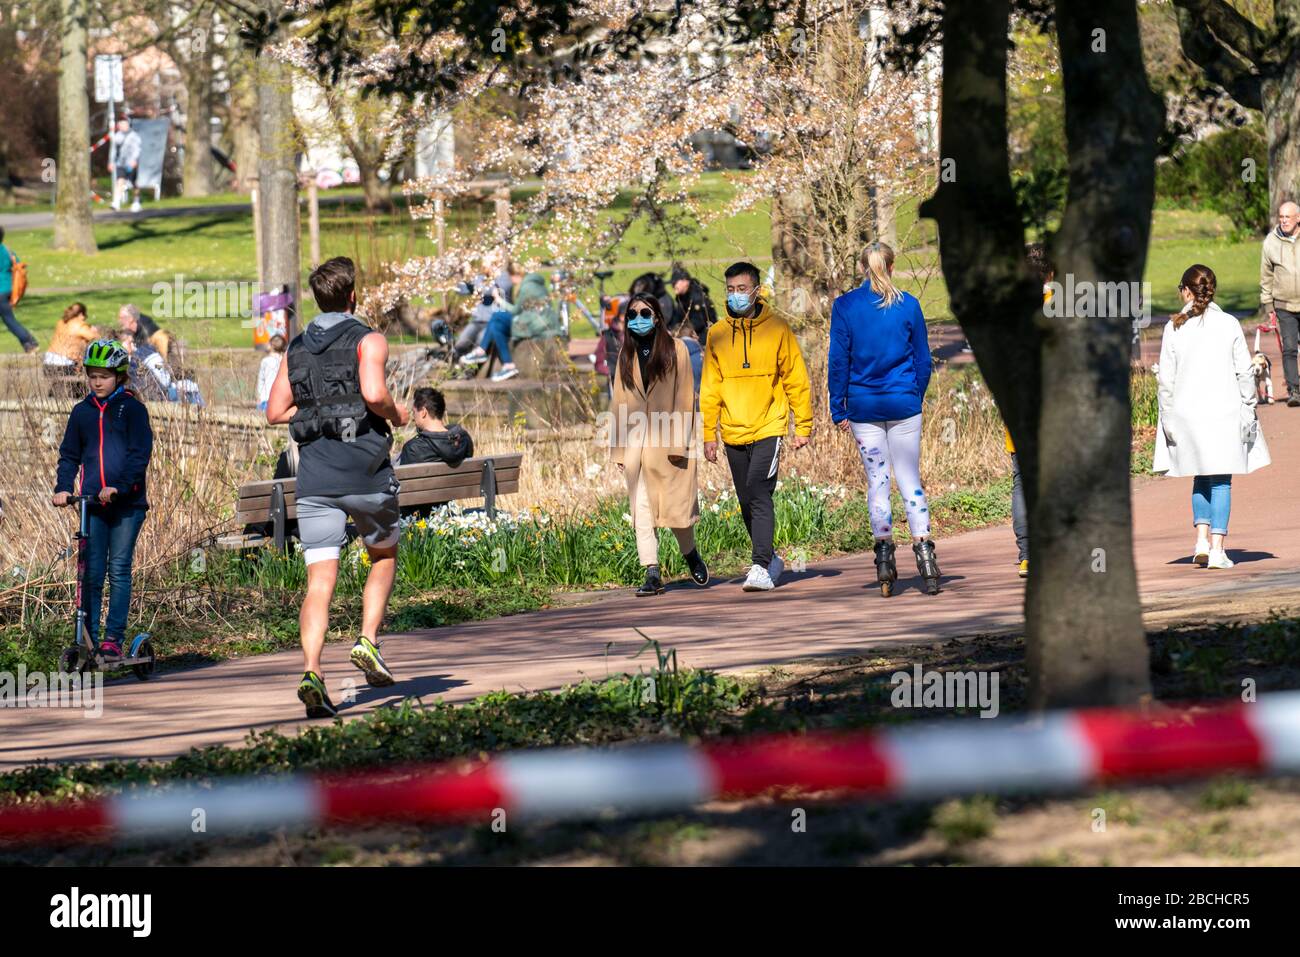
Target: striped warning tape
point(1053, 752)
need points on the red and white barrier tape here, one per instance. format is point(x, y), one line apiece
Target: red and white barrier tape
point(1054, 752)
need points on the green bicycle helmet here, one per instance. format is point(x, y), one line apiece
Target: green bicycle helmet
point(106, 354)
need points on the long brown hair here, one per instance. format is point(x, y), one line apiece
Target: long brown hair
point(1202, 282)
point(74, 310)
point(663, 350)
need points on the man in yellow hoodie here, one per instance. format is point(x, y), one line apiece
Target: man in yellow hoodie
point(754, 377)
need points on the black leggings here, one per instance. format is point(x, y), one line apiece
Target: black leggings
point(753, 469)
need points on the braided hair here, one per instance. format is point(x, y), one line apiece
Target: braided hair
point(1201, 281)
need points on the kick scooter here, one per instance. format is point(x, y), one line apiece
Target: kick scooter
point(84, 655)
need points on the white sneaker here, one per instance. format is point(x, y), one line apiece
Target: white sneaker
point(1201, 553)
point(136, 207)
point(505, 372)
point(758, 579)
point(774, 569)
point(1218, 558)
point(474, 357)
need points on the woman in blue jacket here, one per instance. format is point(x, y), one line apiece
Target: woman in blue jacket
point(878, 370)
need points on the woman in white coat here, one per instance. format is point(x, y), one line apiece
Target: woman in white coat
point(1207, 426)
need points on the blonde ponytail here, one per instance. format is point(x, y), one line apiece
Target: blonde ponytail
point(878, 259)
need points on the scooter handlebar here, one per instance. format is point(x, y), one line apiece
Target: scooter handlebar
point(75, 499)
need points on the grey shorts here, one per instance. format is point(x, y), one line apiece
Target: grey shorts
point(323, 518)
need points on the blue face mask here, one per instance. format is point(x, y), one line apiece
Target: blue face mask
point(738, 302)
point(640, 325)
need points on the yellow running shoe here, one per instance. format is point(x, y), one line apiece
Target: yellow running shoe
point(365, 655)
point(1024, 568)
point(312, 693)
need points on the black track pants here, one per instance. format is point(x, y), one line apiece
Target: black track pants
point(753, 469)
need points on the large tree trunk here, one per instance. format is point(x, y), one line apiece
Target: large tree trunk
point(378, 194)
point(1083, 625)
point(243, 133)
point(197, 175)
point(1282, 128)
point(278, 181)
point(73, 228)
point(1086, 641)
point(793, 251)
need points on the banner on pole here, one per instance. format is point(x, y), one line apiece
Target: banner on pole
point(153, 150)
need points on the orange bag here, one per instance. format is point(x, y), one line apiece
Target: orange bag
point(20, 280)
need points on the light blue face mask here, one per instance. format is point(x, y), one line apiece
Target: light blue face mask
point(640, 325)
point(738, 301)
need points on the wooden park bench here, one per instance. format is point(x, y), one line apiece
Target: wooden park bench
point(485, 478)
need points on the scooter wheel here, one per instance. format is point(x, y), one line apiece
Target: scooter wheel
point(69, 660)
point(145, 671)
point(886, 589)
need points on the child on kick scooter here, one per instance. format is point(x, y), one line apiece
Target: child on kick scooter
point(107, 445)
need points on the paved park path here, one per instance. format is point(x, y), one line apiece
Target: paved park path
point(832, 609)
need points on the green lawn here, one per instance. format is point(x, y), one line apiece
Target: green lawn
point(135, 257)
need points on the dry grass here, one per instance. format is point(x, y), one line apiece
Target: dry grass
point(565, 470)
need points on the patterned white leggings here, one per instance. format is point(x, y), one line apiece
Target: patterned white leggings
point(893, 447)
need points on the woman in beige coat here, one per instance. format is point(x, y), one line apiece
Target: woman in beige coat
point(653, 439)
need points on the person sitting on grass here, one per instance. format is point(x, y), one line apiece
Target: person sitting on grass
point(144, 329)
point(72, 334)
point(148, 375)
point(108, 443)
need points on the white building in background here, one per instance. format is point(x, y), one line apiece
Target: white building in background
point(435, 147)
point(324, 152)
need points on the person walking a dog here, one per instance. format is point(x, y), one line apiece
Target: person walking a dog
point(1279, 290)
point(332, 392)
point(1207, 426)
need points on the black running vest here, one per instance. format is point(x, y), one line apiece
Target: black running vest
point(343, 446)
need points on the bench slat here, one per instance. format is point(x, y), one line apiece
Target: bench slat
point(454, 493)
point(472, 466)
point(453, 480)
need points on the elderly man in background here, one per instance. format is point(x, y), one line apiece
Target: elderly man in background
point(144, 330)
point(1279, 290)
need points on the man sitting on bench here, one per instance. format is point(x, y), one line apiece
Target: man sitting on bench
point(434, 440)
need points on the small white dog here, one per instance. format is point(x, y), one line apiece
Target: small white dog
point(1263, 370)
